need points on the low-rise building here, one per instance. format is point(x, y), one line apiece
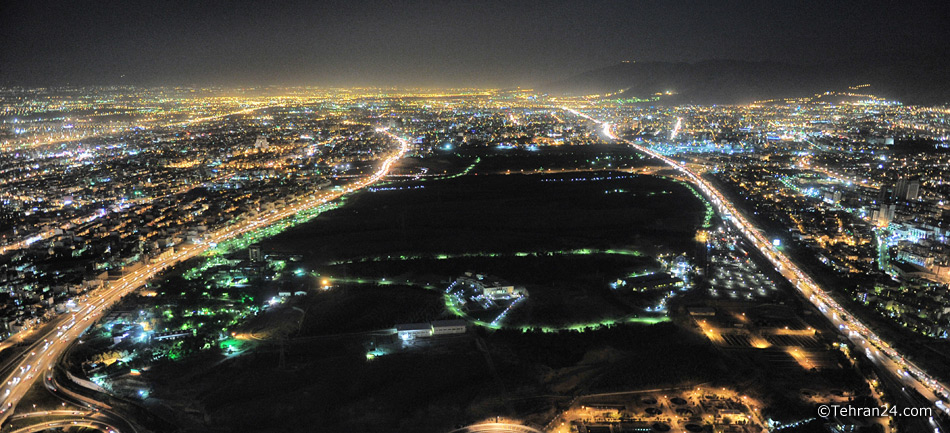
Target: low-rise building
point(410, 331)
point(446, 327)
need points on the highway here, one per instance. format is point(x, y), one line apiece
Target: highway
point(64, 423)
point(42, 355)
point(49, 419)
point(496, 427)
point(879, 351)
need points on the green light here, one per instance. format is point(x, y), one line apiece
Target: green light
point(231, 344)
point(446, 256)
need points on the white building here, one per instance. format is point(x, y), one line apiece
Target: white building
point(411, 331)
point(499, 290)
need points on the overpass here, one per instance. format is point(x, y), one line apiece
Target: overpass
point(63, 423)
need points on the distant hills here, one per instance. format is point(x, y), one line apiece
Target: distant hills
point(740, 82)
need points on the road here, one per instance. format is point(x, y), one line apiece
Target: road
point(63, 423)
point(496, 427)
point(42, 355)
point(879, 351)
point(43, 420)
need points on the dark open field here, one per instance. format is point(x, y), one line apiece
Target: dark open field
point(503, 214)
point(327, 385)
point(564, 237)
point(563, 240)
point(565, 288)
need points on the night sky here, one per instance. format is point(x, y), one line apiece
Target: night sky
point(437, 43)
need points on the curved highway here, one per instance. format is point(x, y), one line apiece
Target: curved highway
point(66, 422)
point(496, 427)
point(879, 351)
point(42, 355)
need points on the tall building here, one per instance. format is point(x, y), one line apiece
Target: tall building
point(883, 215)
point(906, 189)
point(255, 253)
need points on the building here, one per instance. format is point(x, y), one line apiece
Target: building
point(906, 189)
point(654, 281)
point(831, 197)
point(883, 216)
point(490, 287)
point(909, 271)
point(499, 290)
point(447, 327)
point(172, 335)
point(255, 253)
point(411, 331)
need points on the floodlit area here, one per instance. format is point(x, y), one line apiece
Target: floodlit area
point(680, 410)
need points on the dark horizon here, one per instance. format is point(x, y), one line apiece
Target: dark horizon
point(436, 44)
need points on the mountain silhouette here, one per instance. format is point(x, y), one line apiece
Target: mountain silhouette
point(741, 82)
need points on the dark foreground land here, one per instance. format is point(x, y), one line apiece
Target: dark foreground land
point(303, 365)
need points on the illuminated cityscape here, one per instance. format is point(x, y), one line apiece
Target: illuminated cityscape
point(666, 243)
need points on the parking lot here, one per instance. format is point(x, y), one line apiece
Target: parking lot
point(731, 272)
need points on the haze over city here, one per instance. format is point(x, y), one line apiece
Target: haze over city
point(439, 44)
point(462, 217)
